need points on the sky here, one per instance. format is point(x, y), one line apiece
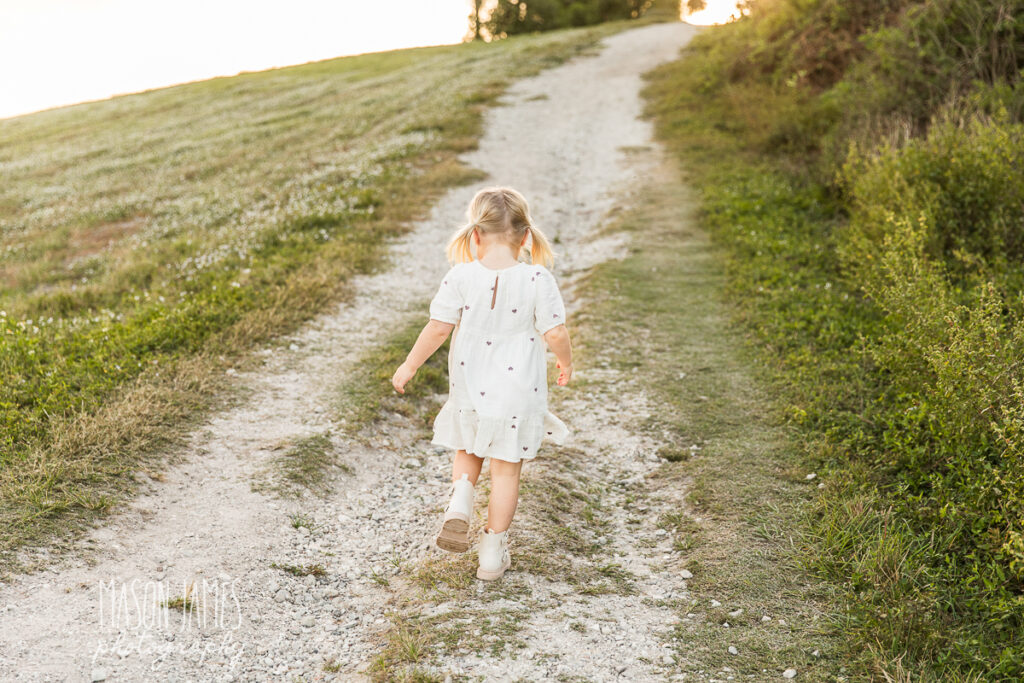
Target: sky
point(715, 12)
point(57, 52)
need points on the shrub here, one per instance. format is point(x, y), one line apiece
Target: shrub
point(963, 183)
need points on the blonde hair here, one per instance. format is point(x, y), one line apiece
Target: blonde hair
point(500, 210)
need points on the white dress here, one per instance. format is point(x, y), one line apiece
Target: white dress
point(497, 371)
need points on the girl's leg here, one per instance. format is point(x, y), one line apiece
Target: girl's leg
point(504, 494)
point(466, 463)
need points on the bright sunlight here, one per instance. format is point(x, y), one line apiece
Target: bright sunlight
point(68, 51)
point(715, 12)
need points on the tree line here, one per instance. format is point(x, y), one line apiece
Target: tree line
point(512, 17)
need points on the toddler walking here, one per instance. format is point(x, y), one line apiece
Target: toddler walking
point(503, 311)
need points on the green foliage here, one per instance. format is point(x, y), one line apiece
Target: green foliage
point(963, 183)
point(511, 17)
point(935, 55)
point(867, 199)
point(866, 72)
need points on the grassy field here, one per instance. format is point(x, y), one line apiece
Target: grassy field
point(147, 241)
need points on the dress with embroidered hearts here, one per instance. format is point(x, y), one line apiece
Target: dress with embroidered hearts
point(497, 372)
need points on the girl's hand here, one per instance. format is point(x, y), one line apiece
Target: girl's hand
point(402, 376)
point(565, 375)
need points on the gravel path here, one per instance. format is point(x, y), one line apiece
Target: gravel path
point(95, 615)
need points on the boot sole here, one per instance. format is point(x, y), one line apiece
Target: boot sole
point(454, 536)
point(491, 575)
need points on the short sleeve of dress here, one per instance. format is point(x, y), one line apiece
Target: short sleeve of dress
point(549, 311)
point(446, 306)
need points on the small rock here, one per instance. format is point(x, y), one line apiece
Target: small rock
point(303, 531)
point(736, 612)
point(789, 673)
point(686, 574)
point(281, 595)
point(766, 618)
point(816, 653)
point(726, 624)
point(307, 621)
point(293, 347)
point(99, 675)
point(821, 485)
point(231, 371)
point(715, 603)
point(782, 622)
point(733, 650)
point(810, 476)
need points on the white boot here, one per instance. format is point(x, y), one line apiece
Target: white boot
point(494, 557)
point(454, 534)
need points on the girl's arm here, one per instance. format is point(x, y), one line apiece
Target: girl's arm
point(558, 340)
point(433, 335)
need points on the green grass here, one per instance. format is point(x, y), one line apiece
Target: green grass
point(182, 603)
point(148, 241)
point(914, 542)
point(317, 569)
point(305, 465)
point(367, 395)
point(301, 519)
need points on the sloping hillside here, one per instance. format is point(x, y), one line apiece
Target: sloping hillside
point(147, 240)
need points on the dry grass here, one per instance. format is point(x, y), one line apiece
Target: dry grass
point(305, 465)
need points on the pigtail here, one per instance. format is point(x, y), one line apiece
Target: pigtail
point(458, 249)
point(540, 248)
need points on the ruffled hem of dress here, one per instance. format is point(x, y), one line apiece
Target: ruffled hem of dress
point(509, 439)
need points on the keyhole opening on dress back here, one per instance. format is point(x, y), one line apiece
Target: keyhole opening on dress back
point(494, 296)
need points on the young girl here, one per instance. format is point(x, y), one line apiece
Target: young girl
point(503, 311)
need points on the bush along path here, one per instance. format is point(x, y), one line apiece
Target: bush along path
point(218, 572)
